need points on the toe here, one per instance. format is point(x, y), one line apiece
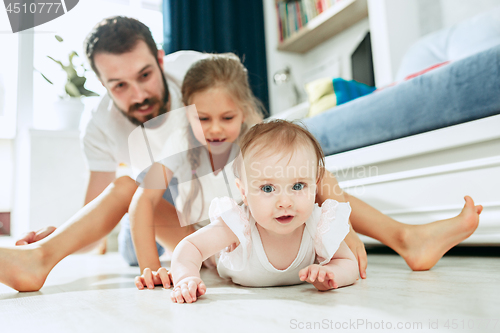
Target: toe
point(468, 201)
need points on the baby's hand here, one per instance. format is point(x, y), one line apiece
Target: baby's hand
point(187, 290)
point(150, 279)
point(320, 276)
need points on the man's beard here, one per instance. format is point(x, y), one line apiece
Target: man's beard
point(151, 101)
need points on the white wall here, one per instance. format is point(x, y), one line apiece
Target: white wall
point(454, 11)
point(394, 27)
point(6, 158)
point(8, 78)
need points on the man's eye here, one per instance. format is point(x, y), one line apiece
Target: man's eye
point(145, 75)
point(267, 188)
point(120, 85)
point(298, 186)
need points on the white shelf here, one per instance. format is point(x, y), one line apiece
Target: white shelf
point(332, 21)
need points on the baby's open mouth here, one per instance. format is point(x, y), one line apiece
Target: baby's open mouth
point(285, 219)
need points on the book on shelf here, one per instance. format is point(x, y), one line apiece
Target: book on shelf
point(293, 15)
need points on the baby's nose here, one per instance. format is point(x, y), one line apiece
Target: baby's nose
point(284, 201)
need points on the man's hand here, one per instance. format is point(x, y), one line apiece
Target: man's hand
point(150, 279)
point(358, 248)
point(321, 277)
point(35, 236)
point(188, 290)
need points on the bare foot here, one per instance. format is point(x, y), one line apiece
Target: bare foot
point(424, 245)
point(23, 268)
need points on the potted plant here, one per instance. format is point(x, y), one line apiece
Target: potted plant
point(68, 109)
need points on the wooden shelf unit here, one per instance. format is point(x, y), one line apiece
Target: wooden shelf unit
point(335, 19)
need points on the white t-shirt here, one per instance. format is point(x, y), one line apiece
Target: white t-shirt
point(213, 185)
point(105, 130)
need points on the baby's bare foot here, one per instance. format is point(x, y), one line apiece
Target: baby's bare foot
point(23, 268)
point(425, 244)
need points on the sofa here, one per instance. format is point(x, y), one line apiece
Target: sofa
point(415, 149)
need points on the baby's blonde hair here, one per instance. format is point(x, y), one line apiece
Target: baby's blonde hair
point(281, 137)
point(217, 71)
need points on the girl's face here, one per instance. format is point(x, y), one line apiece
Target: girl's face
point(220, 118)
point(280, 189)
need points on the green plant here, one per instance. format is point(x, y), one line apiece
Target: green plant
point(75, 84)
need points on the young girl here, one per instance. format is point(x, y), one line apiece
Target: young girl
point(225, 109)
point(279, 236)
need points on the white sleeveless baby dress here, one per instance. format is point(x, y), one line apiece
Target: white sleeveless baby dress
point(248, 265)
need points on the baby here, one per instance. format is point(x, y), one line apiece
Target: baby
point(279, 235)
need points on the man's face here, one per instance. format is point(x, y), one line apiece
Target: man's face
point(135, 82)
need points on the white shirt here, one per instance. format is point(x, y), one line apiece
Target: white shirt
point(105, 130)
point(213, 185)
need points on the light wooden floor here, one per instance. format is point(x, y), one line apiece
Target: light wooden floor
point(90, 293)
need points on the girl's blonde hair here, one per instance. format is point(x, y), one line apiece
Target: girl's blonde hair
point(285, 136)
point(217, 71)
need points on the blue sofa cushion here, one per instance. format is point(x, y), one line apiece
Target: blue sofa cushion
point(462, 91)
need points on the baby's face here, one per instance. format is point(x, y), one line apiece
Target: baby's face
point(280, 189)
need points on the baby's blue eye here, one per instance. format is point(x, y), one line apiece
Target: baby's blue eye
point(298, 186)
point(267, 188)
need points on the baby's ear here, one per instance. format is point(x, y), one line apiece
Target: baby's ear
point(241, 188)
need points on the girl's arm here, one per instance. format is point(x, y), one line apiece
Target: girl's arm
point(342, 270)
point(189, 255)
point(328, 188)
point(141, 213)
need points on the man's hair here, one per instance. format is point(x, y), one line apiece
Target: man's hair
point(278, 137)
point(117, 35)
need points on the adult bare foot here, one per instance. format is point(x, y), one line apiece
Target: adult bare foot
point(23, 268)
point(35, 236)
point(423, 245)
